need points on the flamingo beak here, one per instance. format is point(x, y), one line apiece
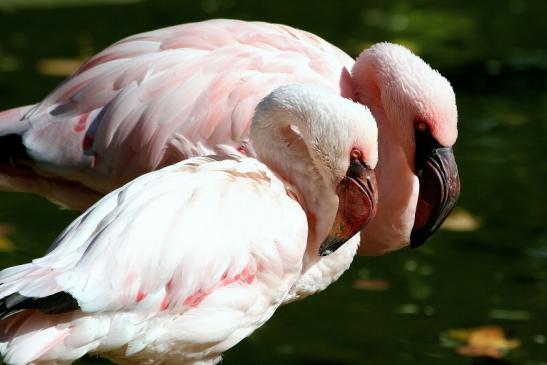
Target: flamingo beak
point(357, 201)
point(439, 187)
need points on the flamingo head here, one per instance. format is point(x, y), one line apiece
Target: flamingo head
point(415, 107)
point(326, 147)
point(357, 199)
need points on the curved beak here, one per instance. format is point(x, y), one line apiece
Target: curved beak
point(439, 188)
point(357, 201)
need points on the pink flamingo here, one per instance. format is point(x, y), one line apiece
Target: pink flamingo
point(156, 98)
point(171, 269)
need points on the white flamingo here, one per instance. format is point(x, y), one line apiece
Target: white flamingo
point(182, 263)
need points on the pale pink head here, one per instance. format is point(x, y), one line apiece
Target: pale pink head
point(325, 146)
point(415, 108)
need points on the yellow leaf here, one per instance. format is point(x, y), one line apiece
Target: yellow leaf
point(461, 220)
point(58, 66)
point(5, 243)
point(483, 341)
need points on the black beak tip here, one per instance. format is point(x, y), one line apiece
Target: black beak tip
point(439, 192)
point(330, 245)
point(418, 238)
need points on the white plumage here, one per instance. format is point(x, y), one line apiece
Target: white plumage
point(182, 263)
point(163, 251)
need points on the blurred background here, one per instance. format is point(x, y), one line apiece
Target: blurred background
point(476, 293)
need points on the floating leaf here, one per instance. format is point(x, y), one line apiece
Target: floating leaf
point(5, 243)
point(58, 66)
point(461, 220)
point(371, 284)
point(482, 341)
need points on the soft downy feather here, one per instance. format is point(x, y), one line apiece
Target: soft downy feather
point(238, 277)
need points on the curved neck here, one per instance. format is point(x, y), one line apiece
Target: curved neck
point(278, 135)
point(397, 185)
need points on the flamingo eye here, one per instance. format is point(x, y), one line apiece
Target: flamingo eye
point(421, 126)
point(356, 154)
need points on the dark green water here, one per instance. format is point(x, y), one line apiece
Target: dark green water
point(492, 274)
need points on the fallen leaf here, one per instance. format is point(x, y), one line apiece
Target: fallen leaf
point(461, 220)
point(59, 66)
point(5, 243)
point(371, 284)
point(483, 341)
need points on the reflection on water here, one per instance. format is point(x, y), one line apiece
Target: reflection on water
point(487, 268)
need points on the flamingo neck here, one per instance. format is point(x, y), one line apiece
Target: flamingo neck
point(286, 153)
point(305, 183)
point(398, 191)
point(397, 185)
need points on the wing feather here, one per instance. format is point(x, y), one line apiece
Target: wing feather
point(171, 238)
point(171, 93)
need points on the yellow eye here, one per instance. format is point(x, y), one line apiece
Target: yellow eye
point(356, 154)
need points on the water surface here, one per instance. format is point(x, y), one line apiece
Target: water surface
point(488, 269)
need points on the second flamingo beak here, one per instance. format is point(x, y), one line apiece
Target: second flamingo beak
point(357, 202)
point(439, 188)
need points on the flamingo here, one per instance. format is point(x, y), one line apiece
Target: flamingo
point(172, 268)
point(160, 97)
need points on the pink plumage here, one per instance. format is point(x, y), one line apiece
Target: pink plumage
point(196, 82)
point(159, 97)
